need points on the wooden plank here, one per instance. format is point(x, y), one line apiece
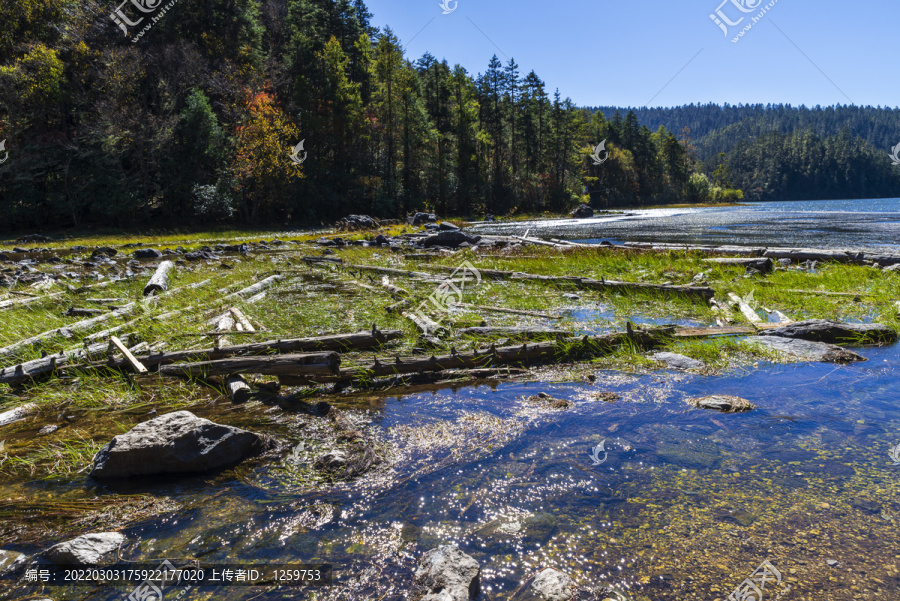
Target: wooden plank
point(710, 332)
point(135, 364)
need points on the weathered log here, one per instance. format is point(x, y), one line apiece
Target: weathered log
point(388, 271)
point(764, 264)
point(160, 280)
point(134, 363)
point(827, 293)
point(256, 288)
point(16, 374)
point(746, 309)
point(238, 389)
point(514, 332)
point(807, 350)
point(711, 332)
point(395, 291)
point(241, 319)
point(425, 324)
point(336, 342)
point(398, 307)
point(310, 365)
point(17, 414)
point(322, 259)
point(82, 312)
point(510, 355)
point(590, 284)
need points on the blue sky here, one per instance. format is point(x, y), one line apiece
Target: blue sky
point(633, 53)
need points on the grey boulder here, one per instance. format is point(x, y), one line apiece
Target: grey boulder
point(175, 443)
point(450, 238)
point(807, 350)
point(447, 574)
point(420, 218)
point(10, 559)
point(147, 253)
point(86, 550)
point(833, 332)
point(583, 212)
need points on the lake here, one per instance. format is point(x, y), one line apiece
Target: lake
point(859, 224)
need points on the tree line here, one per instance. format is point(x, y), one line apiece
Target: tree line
point(780, 152)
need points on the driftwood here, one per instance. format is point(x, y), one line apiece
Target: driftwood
point(336, 342)
point(826, 293)
point(510, 355)
point(398, 307)
point(793, 254)
point(388, 271)
point(134, 363)
point(589, 284)
point(238, 389)
point(308, 364)
point(160, 280)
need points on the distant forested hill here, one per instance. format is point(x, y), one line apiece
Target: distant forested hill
point(777, 152)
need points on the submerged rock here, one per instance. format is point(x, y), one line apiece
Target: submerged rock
point(86, 550)
point(447, 574)
point(175, 443)
point(806, 350)
point(676, 361)
point(833, 332)
point(10, 559)
point(553, 585)
point(722, 402)
point(348, 462)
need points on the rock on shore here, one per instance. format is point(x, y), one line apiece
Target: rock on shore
point(175, 443)
point(806, 350)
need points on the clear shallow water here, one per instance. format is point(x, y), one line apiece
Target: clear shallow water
point(860, 224)
point(687, 504)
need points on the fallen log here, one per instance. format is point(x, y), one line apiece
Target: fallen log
point(398, 307)
point(711, 332)
point(426, 326)
point(510, 355)
point(242, 320)
point(395, 291)
point(833, 332)
point(336, 342)
point(827, 293)
point(746, 309)
point(590, 284)
point(160, 280)
point(764, 264)
point(238, 389)
point(388, 271)
point(256, 288)
point(514, 332)
point(309, 365)
point(17, 414)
